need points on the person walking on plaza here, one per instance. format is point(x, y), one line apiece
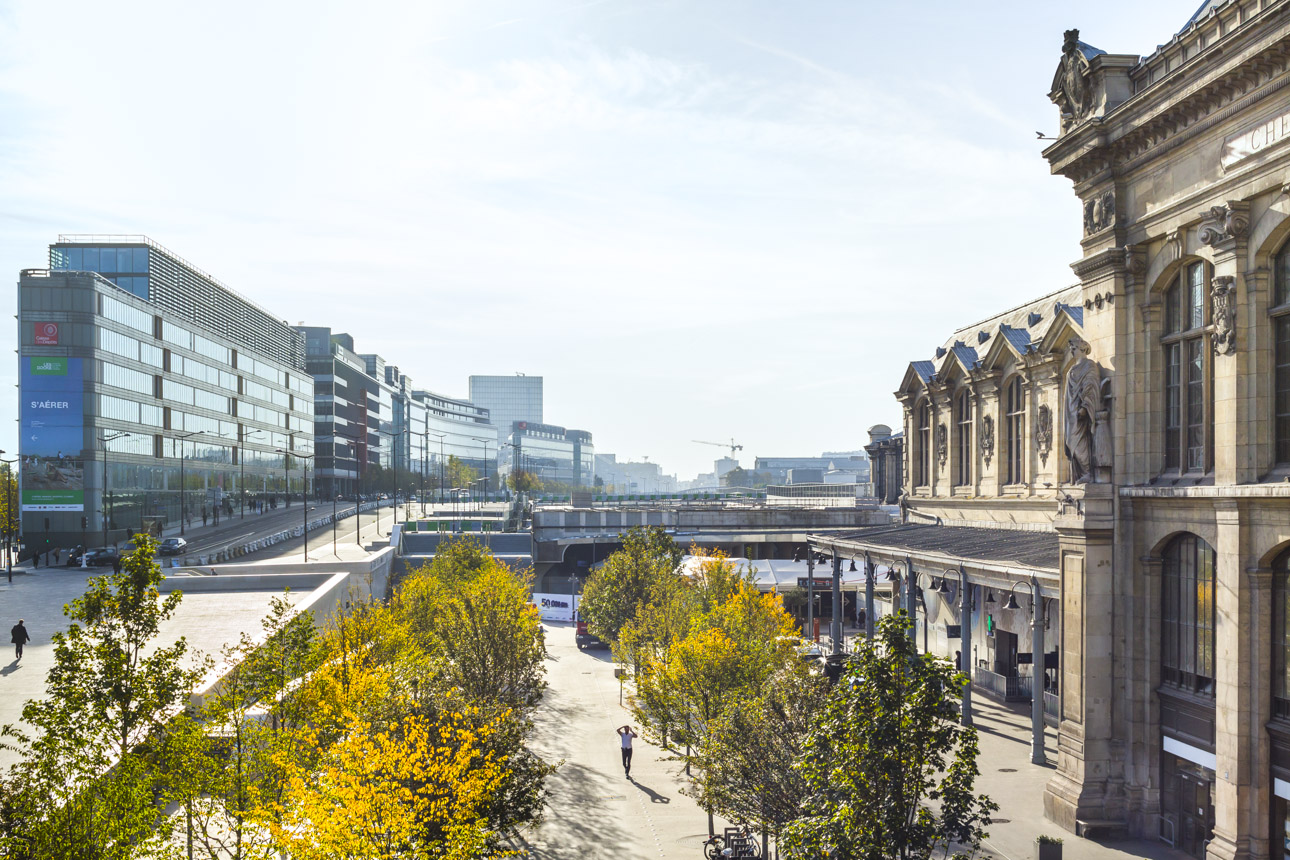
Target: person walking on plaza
point(626, 734)
point(20, 638)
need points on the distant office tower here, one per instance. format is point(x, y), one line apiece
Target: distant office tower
point(141, 374)
point(508, 398)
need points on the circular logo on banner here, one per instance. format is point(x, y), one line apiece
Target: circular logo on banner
point(49, 329)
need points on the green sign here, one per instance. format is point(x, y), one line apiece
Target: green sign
point(49, 367)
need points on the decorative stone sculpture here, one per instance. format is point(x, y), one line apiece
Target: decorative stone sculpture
point(1071, 91)
point(987, 438)
point(1099, 212)
point(942, 444)
point(1221, 223)
point(1088, 435)
point(1044, 432)
point(1223, 301)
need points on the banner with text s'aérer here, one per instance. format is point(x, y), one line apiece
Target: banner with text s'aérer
point(53, 434)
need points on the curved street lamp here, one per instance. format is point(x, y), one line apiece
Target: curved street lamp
point(965, 633)
point(1037, 755)
point(103, 503)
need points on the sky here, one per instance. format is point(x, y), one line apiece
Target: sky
point(704, 220)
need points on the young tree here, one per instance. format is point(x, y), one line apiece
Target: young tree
point(890, 771)
point(86, 779)
point(745, 770)
point(458, 473)
point(629, 579)
point(520, 481)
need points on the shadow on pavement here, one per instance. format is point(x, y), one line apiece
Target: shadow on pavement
point(654, 796)
point(10, 669)
point(582, 817)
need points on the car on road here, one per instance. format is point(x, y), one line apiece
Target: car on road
point(102, 557)
point(585, 639)
point(173, 546)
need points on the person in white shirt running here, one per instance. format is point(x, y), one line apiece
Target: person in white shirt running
point(626, 734)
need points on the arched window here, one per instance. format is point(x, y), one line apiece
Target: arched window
point(923, 464)
point(1186, 348)
point(1015, 423)
point(1281, 337)
point(1187, 615)
point(963, 419)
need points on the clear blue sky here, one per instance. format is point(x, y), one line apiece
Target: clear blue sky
point(696, 220)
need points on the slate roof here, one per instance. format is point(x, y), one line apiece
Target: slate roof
point(925, 370)
point(1007, 547)
point(1018, 337)
point(965, 354)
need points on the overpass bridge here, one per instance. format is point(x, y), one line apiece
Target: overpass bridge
point(569, 541)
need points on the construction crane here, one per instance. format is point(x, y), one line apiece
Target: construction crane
point(731, 445)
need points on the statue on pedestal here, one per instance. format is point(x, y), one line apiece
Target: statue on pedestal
point(1087, 425)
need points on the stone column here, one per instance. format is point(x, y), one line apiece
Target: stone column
point(985, 446)
point(1223, 229)
point(1142, 709)
point(1259, 583)
point(1233, 772)
point(1086, 787)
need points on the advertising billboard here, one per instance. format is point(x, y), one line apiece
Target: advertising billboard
point(53, 433)
point(46, 334)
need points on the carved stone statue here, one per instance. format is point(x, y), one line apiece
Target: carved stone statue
point(1088, 435)
point(942, 444)
point(1044, 432)
point(1223, 301)
point(1071, 91)
point(987, 439)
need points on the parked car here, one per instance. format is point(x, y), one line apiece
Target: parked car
point(173, 546)
point(585, 639)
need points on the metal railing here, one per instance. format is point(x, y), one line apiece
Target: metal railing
point(1051, 706)
point(1009, 688)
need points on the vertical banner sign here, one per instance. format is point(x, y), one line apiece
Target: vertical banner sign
point(53, 433)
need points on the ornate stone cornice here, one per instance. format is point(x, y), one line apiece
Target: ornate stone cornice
point(1090, 150)
point(1224, 225)
point(1104, 263)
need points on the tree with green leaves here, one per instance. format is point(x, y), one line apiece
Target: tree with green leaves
point(629, 579)
point(745, 770)
point(458, 473)
point(889, 771)
point(87, 782)
point(521, 481)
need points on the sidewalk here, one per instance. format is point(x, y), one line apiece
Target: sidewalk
point(1009, 778)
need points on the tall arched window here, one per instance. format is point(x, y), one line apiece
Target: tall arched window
point(963, 420)
point(1281, 636)
point(1015, 437)
point(1281, 337)
point(1187, 615)
point(1187, 370)
point(923, 463)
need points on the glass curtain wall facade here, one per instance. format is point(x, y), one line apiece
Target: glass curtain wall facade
point(121, 392)
point(508, 398)
point(555, 454)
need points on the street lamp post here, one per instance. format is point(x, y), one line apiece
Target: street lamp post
point(104, 440)
point(965, 633)
point(241, 461)
point(304, 490)
point(9, 516)
point(183, 496)
point(441, 438)
point(485, 489)
point(1037, 755)
point(335, 509)
point(869, 572)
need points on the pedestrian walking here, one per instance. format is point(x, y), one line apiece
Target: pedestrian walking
point(20, 638)
point(626, 734)
point(35, 560)
point(116, 564)
point(57, 555)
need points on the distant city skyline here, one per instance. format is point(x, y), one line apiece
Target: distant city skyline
point(695, 221)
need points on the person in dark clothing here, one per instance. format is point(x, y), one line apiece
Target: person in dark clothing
point(20, 637)
point(116, 565)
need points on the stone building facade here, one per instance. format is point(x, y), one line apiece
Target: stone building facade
point(1139, 422)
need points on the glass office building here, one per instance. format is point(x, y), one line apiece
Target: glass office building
point(368, 413)
point(508, 398)
point(148, 388)
point(553, 453)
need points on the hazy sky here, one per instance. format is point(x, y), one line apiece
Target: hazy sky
point(696, 220)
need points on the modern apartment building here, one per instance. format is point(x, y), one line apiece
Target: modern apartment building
point(508, 398)
point(147, 389)
point(553, 453)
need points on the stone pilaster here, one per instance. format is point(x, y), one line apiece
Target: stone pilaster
point(1233, 736)
point(1259, 583)
point(1224, 229)
point(1085, 788)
